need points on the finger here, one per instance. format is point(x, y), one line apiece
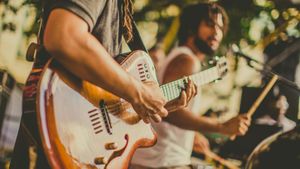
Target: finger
point(191, 89)
point(247, 122)
point(171, 106)
point(196, 90)
point(245, 126)
point(144, 116)
point(192, 94)
point(163, 112)
point(186, 86)
point(243, 129)
point(245, 119)
point(155, 117)
point(182, 102)
point(157, 108)
point(145, 119)
point(246, 116)
point(192, 86)
point(242, 132)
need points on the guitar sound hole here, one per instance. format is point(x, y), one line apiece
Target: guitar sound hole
point(141, 70)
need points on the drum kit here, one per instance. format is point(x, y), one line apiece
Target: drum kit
point(278, 151)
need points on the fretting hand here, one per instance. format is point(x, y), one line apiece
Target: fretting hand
point(152, 105)
point(186, 95)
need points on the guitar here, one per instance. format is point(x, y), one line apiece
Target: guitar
point(84, 126)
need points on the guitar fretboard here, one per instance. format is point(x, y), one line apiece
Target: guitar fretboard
point(173, 89)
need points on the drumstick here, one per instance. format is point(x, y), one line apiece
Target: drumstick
point(260, 99)
point(262, 96)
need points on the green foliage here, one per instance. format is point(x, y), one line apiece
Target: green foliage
point(10, 25)
point(241, 14)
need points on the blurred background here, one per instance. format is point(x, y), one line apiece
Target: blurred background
point(265, 30)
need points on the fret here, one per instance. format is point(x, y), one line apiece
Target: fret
point(205, 76)
point(172, 90)
point(165, 91)
point(176, 87)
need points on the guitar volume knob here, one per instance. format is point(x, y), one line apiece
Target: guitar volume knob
point(111, 146)
point(100, 160)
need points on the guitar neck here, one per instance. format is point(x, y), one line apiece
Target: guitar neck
point(173, 89)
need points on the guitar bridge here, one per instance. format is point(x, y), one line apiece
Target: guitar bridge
point(106, 118)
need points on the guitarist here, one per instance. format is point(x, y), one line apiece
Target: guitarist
point(202, 27)
point(83, 35)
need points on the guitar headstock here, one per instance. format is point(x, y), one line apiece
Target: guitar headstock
point(222, 66)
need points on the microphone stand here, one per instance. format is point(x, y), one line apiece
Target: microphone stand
point(267, 71)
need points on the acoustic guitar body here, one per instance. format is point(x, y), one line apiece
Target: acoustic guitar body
point(84, 126)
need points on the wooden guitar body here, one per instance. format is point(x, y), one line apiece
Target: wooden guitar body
point(84, 126)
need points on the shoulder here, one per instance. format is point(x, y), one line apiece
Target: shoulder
point(189, 64)
point(181, 65)
point(88, 11)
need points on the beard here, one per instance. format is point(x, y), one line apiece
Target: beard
point(203, 46)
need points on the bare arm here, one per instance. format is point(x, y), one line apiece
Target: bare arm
point(185, 119)
point(201, 144)
point(67, 38)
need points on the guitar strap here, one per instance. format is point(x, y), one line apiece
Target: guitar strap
point(136, 42)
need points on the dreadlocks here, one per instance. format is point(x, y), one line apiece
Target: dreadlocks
point(199, 12)
point(127, 11)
